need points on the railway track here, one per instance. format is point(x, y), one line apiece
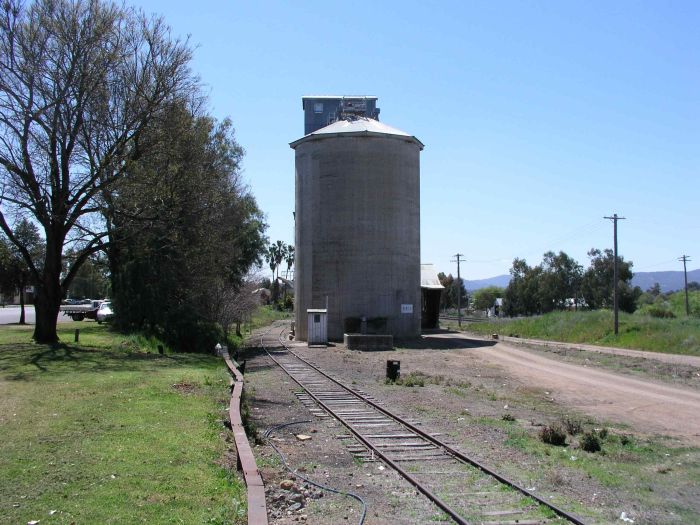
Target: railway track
point(465, 318)
point(465, 490)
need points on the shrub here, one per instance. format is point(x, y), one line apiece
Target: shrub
point(590, 442)
point(412, 379)
point(572, 426)
point(661, 313)
point(508, 417)
point(553, 435)
point(603, 433)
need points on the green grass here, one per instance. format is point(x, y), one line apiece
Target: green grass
point(103, 432)
point(652, 471)
point(679, 336)
point(92, 335)
point(265, 315)
point(674, 304)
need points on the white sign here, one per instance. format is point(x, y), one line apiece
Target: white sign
point(406, 308)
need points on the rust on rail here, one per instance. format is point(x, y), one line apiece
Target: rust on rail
point(257, 511)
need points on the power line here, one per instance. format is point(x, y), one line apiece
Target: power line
point(574, 233)
point(655, 265)
point(685, 259)
point(616, 301)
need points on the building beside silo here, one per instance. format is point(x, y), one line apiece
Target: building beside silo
point(357, 228)
point(321, 111)
point(431, 291)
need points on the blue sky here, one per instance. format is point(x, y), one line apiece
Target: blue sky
point(539, 118)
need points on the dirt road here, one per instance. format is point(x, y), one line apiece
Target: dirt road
point(648, 406)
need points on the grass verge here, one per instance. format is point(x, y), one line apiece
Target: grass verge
point(678, 336)
point(103, 432)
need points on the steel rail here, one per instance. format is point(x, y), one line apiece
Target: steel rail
point(416, 484)
point(444, 446)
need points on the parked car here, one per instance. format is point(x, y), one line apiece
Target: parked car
point(105, 312)
point(84, 309)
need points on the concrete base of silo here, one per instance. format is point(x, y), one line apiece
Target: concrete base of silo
point(368, 341)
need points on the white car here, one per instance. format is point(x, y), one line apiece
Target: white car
point(105, 312)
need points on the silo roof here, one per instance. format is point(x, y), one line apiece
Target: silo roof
point(361, 126)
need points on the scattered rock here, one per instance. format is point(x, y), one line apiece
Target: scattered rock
point(294, 507)
point(303, 437)
point(286, 484)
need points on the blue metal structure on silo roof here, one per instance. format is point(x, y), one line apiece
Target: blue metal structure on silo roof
point(357, 227)
point(320, 111)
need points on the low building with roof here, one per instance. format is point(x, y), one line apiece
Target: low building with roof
point(431, 291)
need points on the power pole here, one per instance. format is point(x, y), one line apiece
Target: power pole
point(685, 259)
point(615, 218)
point(458, 259)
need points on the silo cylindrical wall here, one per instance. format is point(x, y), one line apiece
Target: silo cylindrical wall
point(358, 231)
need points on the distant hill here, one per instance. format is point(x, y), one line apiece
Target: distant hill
point(499, 280)
point(668, 281)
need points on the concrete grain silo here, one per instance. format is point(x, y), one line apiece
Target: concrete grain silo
point(357, 228)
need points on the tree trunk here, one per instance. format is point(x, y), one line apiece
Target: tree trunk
point(46, 308)
point(49, 294)
point(22, 319)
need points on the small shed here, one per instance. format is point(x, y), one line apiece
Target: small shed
point(317, 326)
point(431, 289)
point(496, 309)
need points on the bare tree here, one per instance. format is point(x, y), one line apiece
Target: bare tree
point(79, 81)
point(233, 304)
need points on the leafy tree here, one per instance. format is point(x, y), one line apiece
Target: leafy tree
point(597, 285)
point(184, 233)
point(271, 258)
point(280, 254)
point(92, 279)
point(289, 258)
point(453, 287)
point(16, 274)
point(522, 295)
point(277, 253)
point(652, 296)
point(79, 82)
point(8, 285)
point(485, 298)
point(560, 281)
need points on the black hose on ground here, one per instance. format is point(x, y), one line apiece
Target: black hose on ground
point(269, 432)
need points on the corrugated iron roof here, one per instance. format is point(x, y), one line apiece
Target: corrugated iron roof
point(429, 277)
point(361, 126)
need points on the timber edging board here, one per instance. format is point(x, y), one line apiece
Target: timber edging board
point(257, 511)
